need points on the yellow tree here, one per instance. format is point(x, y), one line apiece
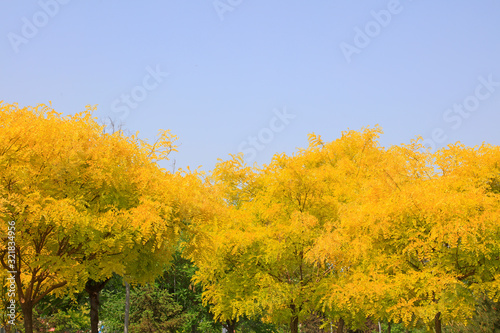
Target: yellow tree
point(261, 254)
point(351, 164)
point(85, 203)
point(362, 291)
point(431, 225)
point(128, 193)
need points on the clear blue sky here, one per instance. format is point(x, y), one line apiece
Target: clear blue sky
point(260, 75)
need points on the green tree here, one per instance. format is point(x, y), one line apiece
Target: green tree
point(486, 318)
point(64, 314)
point(154, 310)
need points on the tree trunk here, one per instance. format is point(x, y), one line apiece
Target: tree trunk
point(93, 288)
point(294, 325)
point(230, 325)
point(340, 326)
point(437, 322)
point(94, 311)
point(28, 316)
point(389, 326)
point(127, 306)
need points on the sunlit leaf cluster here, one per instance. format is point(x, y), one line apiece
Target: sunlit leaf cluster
point(355, 231)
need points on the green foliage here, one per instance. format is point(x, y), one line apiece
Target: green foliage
point(177, 280)
point(154, 310)
point(486, 318)
point(398, 328)
point(246, 325)
point(64, 314)
point(72, 320)
point(151, 310)
point(112, 312)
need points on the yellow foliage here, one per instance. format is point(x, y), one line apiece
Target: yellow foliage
point(85, 203)
point(354, 230)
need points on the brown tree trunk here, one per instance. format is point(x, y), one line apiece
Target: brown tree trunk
point(437, 322)
point(230, 326)
point(389, 326)
point(340, 326)
point(94, 311)
point(27, 308)
point(294, 325)
point(93, 288)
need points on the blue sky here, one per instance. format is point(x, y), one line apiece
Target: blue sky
point(258, 76)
